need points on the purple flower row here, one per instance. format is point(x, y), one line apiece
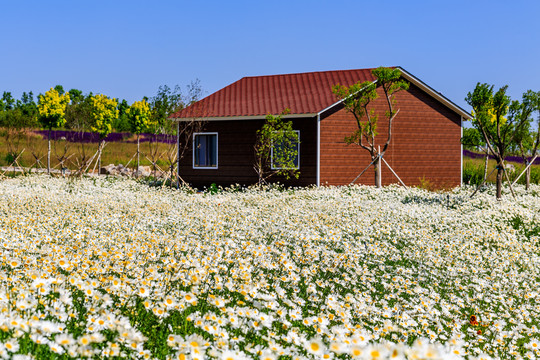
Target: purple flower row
point(516, 159)
point(90, 137)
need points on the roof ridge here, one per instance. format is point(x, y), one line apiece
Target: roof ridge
point(308, 72)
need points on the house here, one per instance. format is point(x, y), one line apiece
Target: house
point(425, 143)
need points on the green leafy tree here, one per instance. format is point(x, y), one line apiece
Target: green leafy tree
point(121, 124)
point(76, 96)
point(162, 105)
point(52, 110)
point(79, 110)
point(526, 140)
point(138, 116)
point(103, 112)
point(357, 99)
point(276, 149)
point(28, 110)
point(16, 118)
point(166, 102)
point(472, 139)
point(489, 117)
point(79, 118)
point(60, 89)
point(7, 102)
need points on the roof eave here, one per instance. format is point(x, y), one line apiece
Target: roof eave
point(437, 95)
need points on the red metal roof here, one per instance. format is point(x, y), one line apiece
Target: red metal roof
point(304, 93)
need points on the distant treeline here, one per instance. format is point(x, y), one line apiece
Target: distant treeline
point(23, 113)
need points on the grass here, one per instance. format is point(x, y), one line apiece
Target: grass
point(473, 171)
point(34, 147)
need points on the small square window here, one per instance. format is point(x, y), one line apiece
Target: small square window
point(294, 145)
point(205, 150)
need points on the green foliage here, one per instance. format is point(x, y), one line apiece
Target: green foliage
point(79, 111)
point(52, 109)
point(213, 189)
point(490, 110)
point(104, 112)
point(276, 149)
point(138, 116)
point(7, 102)
point(499, 132)
point(121, 124)
point(473, 174)
point(357, 99)
point(472, 139)
point(76, 95)
point(534, 179)
point(389, 80)
point(60, 89)
point(20, 114)
point(166, 102)
point(529, 230)
point(524, 136)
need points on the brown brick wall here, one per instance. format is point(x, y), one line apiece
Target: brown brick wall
point(425, 144)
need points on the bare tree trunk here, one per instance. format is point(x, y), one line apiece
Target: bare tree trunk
point(154, 160)
point(377, 165)
point(49, 154)
point(100, 149)
point(486, 165)
point(177, 156)
point(500, 170)
point(528, 178)
point(138, 152)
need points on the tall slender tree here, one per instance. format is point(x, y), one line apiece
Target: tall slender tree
point(358, 99)
point(499, 132)
point(527, 141)
point(138, 115)
point(104, 112)
point(52, 110)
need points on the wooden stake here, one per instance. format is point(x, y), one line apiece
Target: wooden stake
point(393, 172)
point(379, 169)
point(363, 171)
point(509, 183)
point(523, 172)
point(483, 182)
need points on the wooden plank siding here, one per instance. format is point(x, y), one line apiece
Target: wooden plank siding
point(236, 139)
point(425, 144)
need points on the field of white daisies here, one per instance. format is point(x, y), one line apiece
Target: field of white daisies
point(104, 268)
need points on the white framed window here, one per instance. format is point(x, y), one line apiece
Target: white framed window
point(205, 150)
point(296, 160)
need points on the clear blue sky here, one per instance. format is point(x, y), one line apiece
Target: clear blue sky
point(126, 49)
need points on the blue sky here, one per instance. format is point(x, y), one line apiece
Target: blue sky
point(126, 49)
